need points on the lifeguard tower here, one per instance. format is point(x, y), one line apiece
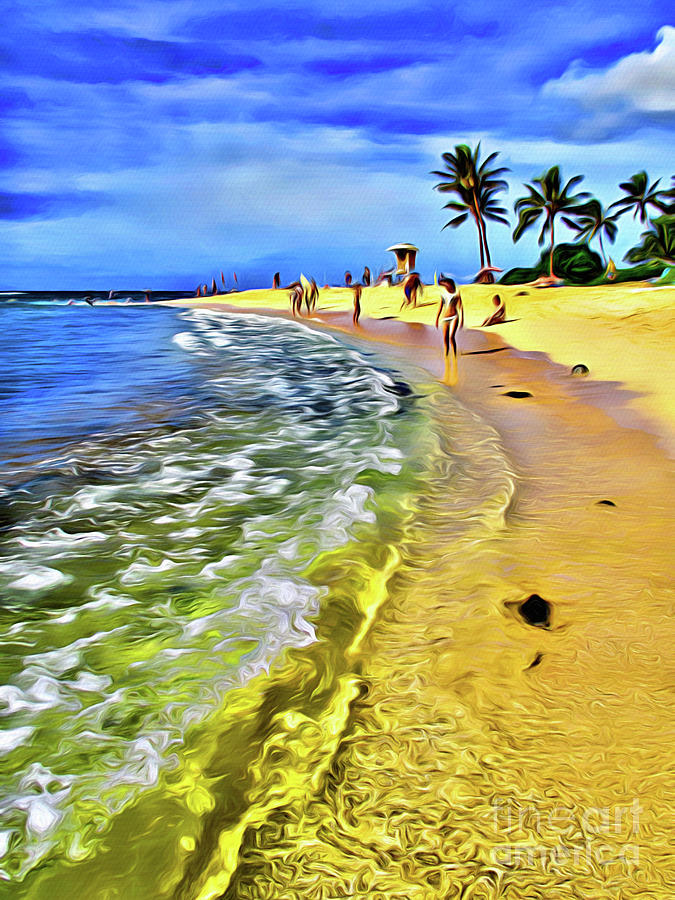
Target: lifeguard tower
point(405, 257)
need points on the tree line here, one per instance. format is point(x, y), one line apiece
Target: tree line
point(475, 187)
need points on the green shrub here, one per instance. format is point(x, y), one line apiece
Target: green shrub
point(574, 263)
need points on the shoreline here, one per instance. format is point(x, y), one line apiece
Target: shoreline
point(624, 335)
point(467, 704)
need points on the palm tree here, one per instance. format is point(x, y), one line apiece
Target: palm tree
point(476, 187)
point(592, 222)
point(551, 198)
point(658, 243)
point(669, 197)
point(639, 195)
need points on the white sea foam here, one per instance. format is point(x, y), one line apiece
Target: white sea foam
point(13, 738)
point(40, 578)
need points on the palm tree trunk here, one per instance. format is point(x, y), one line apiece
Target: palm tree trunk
point(552, 218)
point(602, 249)
point(489, 277)
point(487, 249)
point(480, 237)
point(483, 228)
point(483, 232)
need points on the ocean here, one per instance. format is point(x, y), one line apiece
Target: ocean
point(199, 515)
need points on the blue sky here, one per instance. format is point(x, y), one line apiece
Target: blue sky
point(156, 143)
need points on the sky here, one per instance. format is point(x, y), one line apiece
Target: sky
point(154, 144)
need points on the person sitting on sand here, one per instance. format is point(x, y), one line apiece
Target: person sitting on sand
point(411, 286)
point(499, 315)
point(358, 290)
point(450, 306)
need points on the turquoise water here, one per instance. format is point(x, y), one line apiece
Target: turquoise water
point(170, 479)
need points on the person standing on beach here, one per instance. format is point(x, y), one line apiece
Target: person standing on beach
point(366, 277)
point(276, 281)
point(358, 290)
point(499, 315)
point(348, 279)
point(450, 306)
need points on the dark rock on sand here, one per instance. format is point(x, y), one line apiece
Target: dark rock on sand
point(605, 503)
point(536, 611)
point(517, 394)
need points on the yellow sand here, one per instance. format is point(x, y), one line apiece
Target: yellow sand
point(490, 758)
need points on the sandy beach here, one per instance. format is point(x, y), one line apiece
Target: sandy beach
point(485, 754)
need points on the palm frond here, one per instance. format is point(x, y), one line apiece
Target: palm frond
point(526, 218)
point(453, 223)
point(575, 226)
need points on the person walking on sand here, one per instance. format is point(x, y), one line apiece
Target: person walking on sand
point(499, 315)
point(358, 290)
point(312, 296)
point(296, 296)
point(411, 286)
point(451, 309)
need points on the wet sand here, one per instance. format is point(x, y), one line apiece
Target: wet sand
point(486, 755)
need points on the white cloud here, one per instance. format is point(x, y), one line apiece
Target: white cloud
point(638, 83)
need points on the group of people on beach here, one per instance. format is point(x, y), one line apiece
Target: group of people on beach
point(299, 292)
point(449, 314)
point(203, 289)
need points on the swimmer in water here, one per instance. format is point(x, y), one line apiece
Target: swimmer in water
point(499, 315)
point(450, 309)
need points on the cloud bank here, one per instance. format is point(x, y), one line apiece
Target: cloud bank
point(164, 140)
